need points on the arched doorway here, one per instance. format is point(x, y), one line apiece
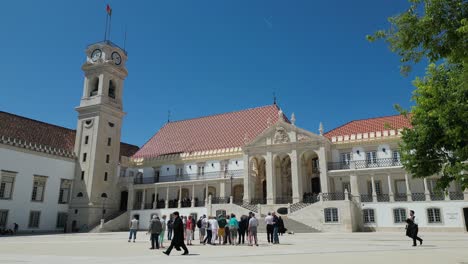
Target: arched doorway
point(309, 174)
point(211, 191)
point(283, 179)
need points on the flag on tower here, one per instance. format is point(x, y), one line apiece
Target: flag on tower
point(109, 10)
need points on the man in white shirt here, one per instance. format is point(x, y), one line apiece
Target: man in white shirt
point(133, 229)
point(214, 229)
point(269, 227)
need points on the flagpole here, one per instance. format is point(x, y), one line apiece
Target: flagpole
point(105, 33)
point(110, 23)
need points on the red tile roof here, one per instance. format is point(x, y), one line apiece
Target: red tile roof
point(370, 125)
point(37, 132)
point(213, 132)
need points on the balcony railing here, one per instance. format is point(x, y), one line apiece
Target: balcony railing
point(456, 196)
point(383, 198)
point(333, 196)
point(310, 198)
point(437, 196)
point(366, 198)
point(283, 200)
point(258, 201)
point(190, 177)
point(363, 164)
point(220, 200)
point(401, 197)
point(417, 197)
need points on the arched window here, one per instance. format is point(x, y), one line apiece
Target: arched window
point(331, 215)
point(112, 89)
point(94, 86)
point(80, 194)
point(104, 195)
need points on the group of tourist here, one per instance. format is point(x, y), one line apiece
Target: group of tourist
point(218, 230)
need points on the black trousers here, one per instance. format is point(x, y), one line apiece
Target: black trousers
point(182, 245)
point(415, 236)
point(227, 236)
point(241, 235)
point(208, 237)
point(155, 241)
point(270, 233)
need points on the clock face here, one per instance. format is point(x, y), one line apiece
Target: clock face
point(96, 55)
point(116, 58)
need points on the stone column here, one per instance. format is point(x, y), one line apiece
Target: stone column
point(167, 198)
point(390, 191)
point(374, 192)
point(193, 195)
point(465, 194)
point(180, 197)
point(271, 181)
point(155, 203)
point(323, 170)
point(206, 194)
point(295, 177)
point(246, 179)
point(427, 193)
point(222, 189)
point(408, 190)
point(143, 200)
point(131, 197)
point(353, 181)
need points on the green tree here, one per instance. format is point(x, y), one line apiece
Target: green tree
point(435, 30)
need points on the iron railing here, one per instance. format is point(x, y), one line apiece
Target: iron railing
point(366, 198)
point(190, 177)
point(173, 203)
point(258, 201)
point(417, 197)
point(161, 204)
point(362, 164)
point(383, 198)
point(401, 197)
point(311, 198)
point(333, 196)
point(148, 206)
point(437, 196)
point(283, 200)
point(220, 200)
point(456, 196)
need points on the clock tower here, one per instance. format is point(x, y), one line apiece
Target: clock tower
point(97, 142)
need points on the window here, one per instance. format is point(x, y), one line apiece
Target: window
point(94, 87)
point(433, 215)
point(123, 171)
point(80, 194)
point(84, 157)
point(111, 124)
point(111, 89)
point(201, 170)
point(368, 216)
point(331, 215)
point(345, 158)
point(61, 220)
point(34, 217)
point(82, 175)
point(180, 172)
point(371, 158)
point(86, 140)
point(38, 188)
point(64, 193)
point(109, 141)
point(396, 156)
point(6, 184)
point(399, 215)
point(3, 218)
point(378, 189)
point(431, 185)
point(346, 186)
point(105, 176)
point(107, 158)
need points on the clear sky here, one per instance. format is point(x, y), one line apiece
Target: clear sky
point(200, 57)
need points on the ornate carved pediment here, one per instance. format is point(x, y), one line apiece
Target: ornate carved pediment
point(280, 136)
point(303, 137)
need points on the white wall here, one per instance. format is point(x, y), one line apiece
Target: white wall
point(27, 165)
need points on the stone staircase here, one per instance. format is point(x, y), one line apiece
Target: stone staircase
point(250, 207)
point(298, 206)
point(290, 224)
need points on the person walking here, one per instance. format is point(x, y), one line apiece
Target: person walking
point(209, 234)
point(243, 224)
point(253, 224)
point(412, 228)
point(233, 227)
point(133, 229)
point(189, 231)
point(163, 230)
point(275, 228)
point(155, 229)
point(178, 239)
point(269, 227)
point(170, 227)
point(201, 224)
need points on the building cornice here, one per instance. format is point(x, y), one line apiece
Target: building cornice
point(33, 148)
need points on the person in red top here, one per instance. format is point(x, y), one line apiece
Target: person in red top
point(189, 230)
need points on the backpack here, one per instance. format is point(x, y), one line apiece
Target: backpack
point(199, 223)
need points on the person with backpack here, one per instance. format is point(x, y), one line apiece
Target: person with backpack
point(201, 228)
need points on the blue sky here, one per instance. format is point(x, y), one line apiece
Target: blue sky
point(198, 58)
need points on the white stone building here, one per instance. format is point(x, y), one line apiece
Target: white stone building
point(348, 179)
